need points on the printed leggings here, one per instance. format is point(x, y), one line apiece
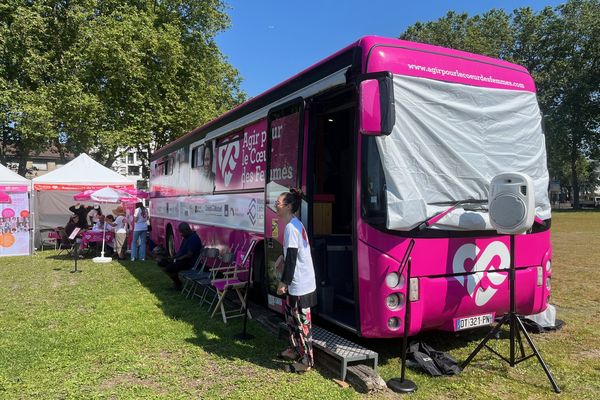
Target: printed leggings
point(298, 322)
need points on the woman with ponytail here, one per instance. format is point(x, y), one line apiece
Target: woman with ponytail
point(297, 281)
point(140, 229)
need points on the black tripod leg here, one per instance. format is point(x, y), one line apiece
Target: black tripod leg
point(490, 334)
point(520, 341)
point(537, 354)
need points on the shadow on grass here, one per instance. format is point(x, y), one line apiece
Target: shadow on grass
point(211, 334)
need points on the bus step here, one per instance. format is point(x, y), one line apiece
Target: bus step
point(337, 350)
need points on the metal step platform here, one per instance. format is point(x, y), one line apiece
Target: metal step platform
point(339, 348)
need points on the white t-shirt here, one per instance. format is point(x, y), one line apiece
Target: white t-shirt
point(120, 224)
point(141, 223)
point(304, 275)
point(93, 215)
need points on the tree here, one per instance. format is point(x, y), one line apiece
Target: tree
point(25, 98)
point(561, 48)
point(107, 76)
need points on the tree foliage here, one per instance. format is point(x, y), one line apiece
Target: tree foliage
point(103, 76)
point(561, 48)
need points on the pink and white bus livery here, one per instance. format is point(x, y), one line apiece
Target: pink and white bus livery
point(382, 136)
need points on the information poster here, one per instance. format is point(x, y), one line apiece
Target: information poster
point(14, 222)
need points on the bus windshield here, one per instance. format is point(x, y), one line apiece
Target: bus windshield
point(448, 142)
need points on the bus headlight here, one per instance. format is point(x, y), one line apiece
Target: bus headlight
point(548, 266)
point(548, 283)
point(395, 301)
point(393, 280)
point(394, 323)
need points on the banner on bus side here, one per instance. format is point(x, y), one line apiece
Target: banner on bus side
point(243, 211)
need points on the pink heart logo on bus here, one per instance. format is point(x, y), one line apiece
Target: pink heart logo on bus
point(482, 267)
point(227, 160)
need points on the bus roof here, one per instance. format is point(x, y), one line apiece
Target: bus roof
point(354, 57)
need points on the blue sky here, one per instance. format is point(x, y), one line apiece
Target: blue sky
point(270, 41)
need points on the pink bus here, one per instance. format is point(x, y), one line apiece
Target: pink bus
point(381, 136)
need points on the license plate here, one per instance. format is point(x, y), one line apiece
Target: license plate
point(473, 322)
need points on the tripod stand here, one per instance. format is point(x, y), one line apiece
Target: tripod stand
point(516, 328)
point(76, 255)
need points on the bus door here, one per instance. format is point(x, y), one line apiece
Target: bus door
point(331, 181)
point(284, 161)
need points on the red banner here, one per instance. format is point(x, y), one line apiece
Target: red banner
point(45, 186)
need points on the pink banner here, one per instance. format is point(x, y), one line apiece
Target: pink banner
point(241, 159)
point(44, 186)
point(13, 188)
point(284, 150)
point(450, 68)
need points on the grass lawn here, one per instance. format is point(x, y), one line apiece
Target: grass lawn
point(116, 331)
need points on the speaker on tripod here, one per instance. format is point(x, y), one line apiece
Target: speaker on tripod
point(511, 203)
point(511, 208)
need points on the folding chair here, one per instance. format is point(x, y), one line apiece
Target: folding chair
point(49, 238)
point(236, 278)
point(65, 244)
point(196, 272)
point(201, 280)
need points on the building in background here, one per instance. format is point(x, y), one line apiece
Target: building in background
point(41, 163)
point(130, 164)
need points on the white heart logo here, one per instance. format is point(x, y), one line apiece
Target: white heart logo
point(481, 268)
point(227, 160)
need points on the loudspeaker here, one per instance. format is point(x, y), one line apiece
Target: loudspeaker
point(511, 203)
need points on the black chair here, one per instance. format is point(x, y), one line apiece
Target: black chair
point(65, 243)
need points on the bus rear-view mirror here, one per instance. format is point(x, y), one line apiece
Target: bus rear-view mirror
point(376, 105)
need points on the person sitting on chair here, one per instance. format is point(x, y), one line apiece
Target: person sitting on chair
point(186, 256)
point(100, 225)
point(72, 224)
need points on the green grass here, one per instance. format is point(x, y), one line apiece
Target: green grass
point(115, 331)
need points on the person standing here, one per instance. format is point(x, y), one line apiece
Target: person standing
point(94, 215)
point(298, 282)
point(120, 231)
point(81, 211)
point(140, 230)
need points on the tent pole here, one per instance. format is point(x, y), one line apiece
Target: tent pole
point(30, 198)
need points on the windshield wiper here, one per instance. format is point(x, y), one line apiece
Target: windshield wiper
point(434, 219)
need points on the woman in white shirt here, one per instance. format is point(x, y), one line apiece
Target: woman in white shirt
point(140, 229)
point(298, 281)
point(120, 227)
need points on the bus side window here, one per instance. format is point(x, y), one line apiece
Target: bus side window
point(373, 191)
point(197, 153)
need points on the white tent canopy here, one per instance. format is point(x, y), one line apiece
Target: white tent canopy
point(8, 177)
point(82, 171)
point(53, 192)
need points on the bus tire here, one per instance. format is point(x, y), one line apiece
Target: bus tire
point(170, 243)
